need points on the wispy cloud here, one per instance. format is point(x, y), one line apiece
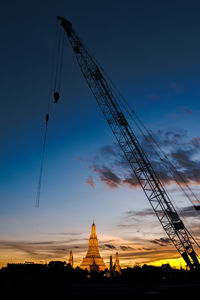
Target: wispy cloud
point(135, 249)
point(163, 241)
point(62, 233)
point(90, 182)
point(187, 211)
point(140, 213)
point(42, 249)
point(79, 158)
point(125, 248)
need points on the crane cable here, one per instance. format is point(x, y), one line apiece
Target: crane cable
point(59, 65)
point(57, 62)
point(164, 155)
point(42, 162)
point(172, 167)
point(165, 160)
point(128, 109)
point(156, 152)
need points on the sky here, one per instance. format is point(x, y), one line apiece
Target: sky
point(150, 49)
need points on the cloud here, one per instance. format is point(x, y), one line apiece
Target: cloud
point(109, 246)
point(62, 233)
point(114, 171)
point(187, 211)
point(188, 111)
point(112, 180)
point(109, 150)
point(161, 241)
point(108, 177)
point(139, 249)
point(150, 256)
point(141, 213)
point(20, 246)
point(124, 248)
point(43, 249)
point(125, 225)
point(79, 158)
point(90, 182)
point(196, 141)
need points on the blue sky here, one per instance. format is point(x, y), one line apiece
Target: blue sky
point(150, 49)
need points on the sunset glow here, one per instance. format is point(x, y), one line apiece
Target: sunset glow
point(153, 57)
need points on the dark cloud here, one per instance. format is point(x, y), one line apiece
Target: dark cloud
point(147, 249)
point(140, 213)
point(161, 241)
point(183, 159)
point(125, 225)
point(20, 246)
point(109, 150)
point(131, 181)
point(39, 243)
point(112, 180)
point(109, 246)
point(124, 248)
point(187, 211)
point(108, 177)
point(114, 171)
point(188, 111)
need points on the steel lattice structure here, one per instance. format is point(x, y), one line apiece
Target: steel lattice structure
point(135, 155)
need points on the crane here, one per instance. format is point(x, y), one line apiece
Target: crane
point(132, 149)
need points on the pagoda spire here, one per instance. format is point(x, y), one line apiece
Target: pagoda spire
point(93, 231)
point(93, 254)
point(71, 259)
point(117, 266)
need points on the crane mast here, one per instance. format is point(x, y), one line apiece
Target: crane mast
point(134, 154)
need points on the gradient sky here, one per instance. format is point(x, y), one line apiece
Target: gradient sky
point(151, 50)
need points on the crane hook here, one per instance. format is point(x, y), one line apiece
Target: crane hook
point(56, 97)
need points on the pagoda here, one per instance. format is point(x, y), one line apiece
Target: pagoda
point(71, 259)
point(93, 257)
point(117, 266)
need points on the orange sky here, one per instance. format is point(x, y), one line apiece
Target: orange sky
point(131, 253)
